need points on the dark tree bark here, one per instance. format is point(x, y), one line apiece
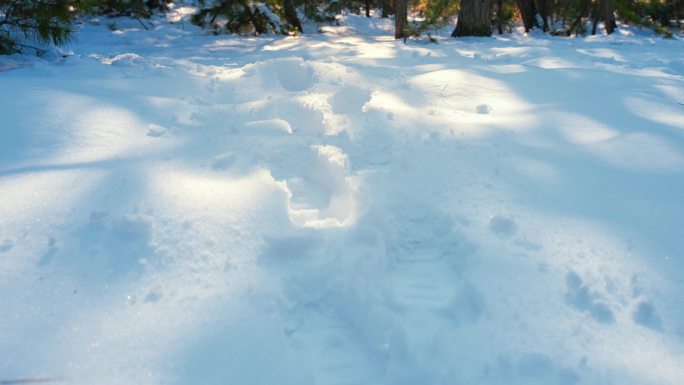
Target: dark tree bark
point(474, 19)
point(608, 11)
point(401, 8)
point(386, 6)
point(528, 13)
point(368, 6)
point(543, 8)
point(291, 15)
point(603, 10)
point(585, 10)
point(499, 18)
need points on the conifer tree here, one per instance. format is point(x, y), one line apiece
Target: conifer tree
point(23, 22)
point(528, 14)
point(400, 18)
point(474, 19)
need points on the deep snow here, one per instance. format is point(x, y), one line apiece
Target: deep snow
point(343, 208)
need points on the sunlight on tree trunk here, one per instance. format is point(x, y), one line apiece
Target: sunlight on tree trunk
point(473, 19)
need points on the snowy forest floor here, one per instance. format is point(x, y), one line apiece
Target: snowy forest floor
point(343, 208)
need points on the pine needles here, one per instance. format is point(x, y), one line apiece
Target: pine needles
point(40, 21)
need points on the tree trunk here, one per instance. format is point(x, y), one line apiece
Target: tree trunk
point(499, 16)
point(585, 11)
point(608, 11)
point(386, 6)
point(368, 5)
point(473, 19)
point(595, 16)
point(291, 15)
point(401, 9)
point(542, 7)
point(528, 13)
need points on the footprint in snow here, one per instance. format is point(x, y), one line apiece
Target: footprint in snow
point(503, 227)
point(114, 243)
point(483, 109)
point(349, 100)
point(224, 162)
point(155, 131)
point(6, 245)
point(466, 306)
point(645, 314)
point(133, 226)
point(327, 193)
point(302, 118)
point(579, 295)
point(294, 75)
point(268, 127)
point(426, 260)
point(530, 368)
point(52, 249)
point(425, 234)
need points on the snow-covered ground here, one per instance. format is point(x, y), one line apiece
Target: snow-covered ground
point(343, 208)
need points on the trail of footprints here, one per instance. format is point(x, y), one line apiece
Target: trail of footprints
point(293, 137)
point(422, 256)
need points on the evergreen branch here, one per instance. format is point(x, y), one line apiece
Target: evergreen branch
point(39, 52)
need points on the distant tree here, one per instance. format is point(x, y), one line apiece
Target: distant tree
point(571, 16)
point(503, 15)
point(400, 18)
point(528, 14)
point(661, 15)
point(498, 10)
point(244, 17)
point(291, 15)
point(608, 15)
point(544, 13)
point(271, 16)
point(577, 11)
point(434, 15)
point(474, 19)
point(23, 22)
point(386, 8)
point(132, 8)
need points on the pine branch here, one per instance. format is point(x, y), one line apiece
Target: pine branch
point(45, 21)
point(39, 52)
